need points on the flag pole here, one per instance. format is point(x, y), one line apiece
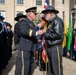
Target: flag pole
point(46, 61)
point(47, 3)
point(46, 66)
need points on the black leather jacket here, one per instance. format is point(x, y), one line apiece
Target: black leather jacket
point(54, 33)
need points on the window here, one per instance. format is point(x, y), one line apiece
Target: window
point(20, 1)
point(38, 2)
point(2, 1)
point(2, 13)
point(62, 1)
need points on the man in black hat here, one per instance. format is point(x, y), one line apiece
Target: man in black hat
point(9, 38)
point(2, 45)
point(54, 39)
point(27, 45)
point(1, 18)
point(18, 18)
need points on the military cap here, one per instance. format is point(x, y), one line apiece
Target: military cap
point(2, 18)
point(32, 9)
point(19, 15)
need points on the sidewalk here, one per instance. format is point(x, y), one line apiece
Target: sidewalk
point(10, 68)
point(69, 67)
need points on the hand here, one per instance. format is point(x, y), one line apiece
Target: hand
point(39, 41)
point(40, 24)
point(40, 32)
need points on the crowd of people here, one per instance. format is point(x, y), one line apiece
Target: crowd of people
point(6, 36)
point(71, 53)
point(28, 39)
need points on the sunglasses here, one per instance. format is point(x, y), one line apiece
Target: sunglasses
point(34, 13)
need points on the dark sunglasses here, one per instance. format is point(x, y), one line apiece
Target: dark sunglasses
point(35, 13)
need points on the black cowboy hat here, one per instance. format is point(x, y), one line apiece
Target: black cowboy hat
point(50, 9)
point(19, 15)
point(2, 18)
point(32, 9)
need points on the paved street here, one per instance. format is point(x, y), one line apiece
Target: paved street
point(69, 67)
point(10, 68)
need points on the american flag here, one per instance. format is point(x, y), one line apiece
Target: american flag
point(47, 2)
point(44, 52)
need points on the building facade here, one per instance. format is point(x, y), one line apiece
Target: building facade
point(75, 14)
point(9, 8)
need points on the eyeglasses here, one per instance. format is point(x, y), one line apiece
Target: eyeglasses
point(34, 13)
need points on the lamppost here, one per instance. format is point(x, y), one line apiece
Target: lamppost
point(73, 11)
